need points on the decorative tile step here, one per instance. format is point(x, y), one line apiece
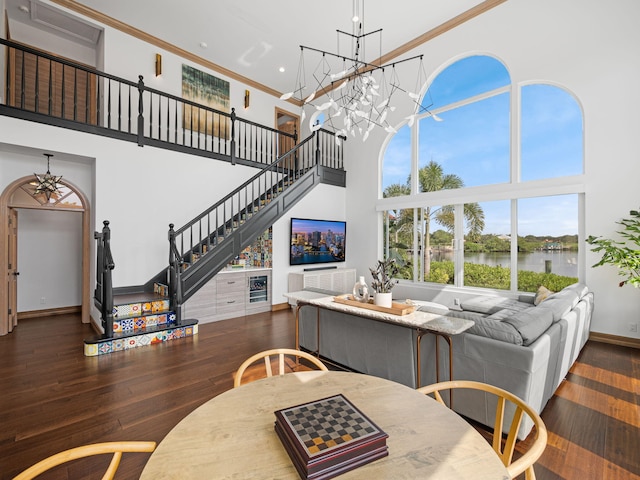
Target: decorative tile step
point(139, 338)
point(136, 309)
point(122, 325)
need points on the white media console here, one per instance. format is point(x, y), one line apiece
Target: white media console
point(337, 280)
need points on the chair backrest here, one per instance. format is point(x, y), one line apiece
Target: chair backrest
point(281, 353)
point(505, 452)
point(115, 448)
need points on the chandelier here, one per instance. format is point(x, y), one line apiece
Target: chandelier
point(47, 184)
point(358, 93)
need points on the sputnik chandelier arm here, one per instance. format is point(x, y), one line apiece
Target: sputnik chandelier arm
point(358, 93)
point(363, 67)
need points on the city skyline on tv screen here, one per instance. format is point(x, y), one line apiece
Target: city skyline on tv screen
point(317, 241)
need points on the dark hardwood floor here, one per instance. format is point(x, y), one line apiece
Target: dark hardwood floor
point(53, 398)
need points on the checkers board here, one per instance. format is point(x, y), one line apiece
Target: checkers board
point(328, 437)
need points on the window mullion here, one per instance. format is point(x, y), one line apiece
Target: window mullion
point(458, 242)
point(514, 245)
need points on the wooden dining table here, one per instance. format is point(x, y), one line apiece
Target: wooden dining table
point(232, 435)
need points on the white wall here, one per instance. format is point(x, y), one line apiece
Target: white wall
point(49, 259)
point(592, 49)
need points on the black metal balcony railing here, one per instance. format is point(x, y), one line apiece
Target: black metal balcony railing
point(49, 89)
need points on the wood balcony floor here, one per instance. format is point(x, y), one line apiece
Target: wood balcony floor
point(52, 397)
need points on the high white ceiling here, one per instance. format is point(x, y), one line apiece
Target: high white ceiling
point(254, 38)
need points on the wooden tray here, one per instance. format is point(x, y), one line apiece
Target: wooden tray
point(396, 308)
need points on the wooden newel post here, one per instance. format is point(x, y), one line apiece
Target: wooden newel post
point(317, 155)
point(175, 295)
point(296, 167)
point(106, 265)
point(233, 136)
point(140, 111)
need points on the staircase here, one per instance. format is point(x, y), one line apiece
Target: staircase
point(203, 247)
point(134, 316)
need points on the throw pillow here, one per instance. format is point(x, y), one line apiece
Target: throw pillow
point(541, 295)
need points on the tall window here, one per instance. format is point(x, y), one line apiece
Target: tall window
point(551, 133)
point(517, 228)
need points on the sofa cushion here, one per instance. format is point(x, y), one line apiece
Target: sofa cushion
point(429, 307)
point(505, 332)
point(490, 305)
point(579, 288)
point(531, 323)
point(465, 315)
point(485, 326)
point(559, 305)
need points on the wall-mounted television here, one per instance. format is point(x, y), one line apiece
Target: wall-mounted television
point(317, 241)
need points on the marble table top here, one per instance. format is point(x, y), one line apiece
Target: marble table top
point(232, 435)
point(418, 319)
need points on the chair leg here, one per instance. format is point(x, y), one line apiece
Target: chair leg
point(529, 474)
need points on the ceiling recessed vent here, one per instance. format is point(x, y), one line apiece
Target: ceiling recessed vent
point(64, 23)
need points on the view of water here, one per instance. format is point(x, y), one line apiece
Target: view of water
point(562, 263)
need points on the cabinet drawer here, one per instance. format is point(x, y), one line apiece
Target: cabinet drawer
point(231, 282)
point(230, 302)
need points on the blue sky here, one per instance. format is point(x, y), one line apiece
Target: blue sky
point(473, 142)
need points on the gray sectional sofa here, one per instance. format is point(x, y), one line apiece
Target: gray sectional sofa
point(514, 344)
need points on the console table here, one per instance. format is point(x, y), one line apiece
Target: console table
point(419, 322)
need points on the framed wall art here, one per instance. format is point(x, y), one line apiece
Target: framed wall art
point(213, 92)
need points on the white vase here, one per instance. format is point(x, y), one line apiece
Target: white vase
point(383, 299)
point(361, 291)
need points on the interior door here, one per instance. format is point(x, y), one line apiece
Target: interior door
point(288, 123)
point(12, 262)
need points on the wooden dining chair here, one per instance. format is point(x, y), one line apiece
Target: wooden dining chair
point(115, 448)
point(505, 452)
point(280, 353)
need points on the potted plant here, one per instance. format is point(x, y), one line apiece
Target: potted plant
point(620, 254)
point(383, 281)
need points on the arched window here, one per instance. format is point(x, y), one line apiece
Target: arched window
point(468, 135)
point(506, 232)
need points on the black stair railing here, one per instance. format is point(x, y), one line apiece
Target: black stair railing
point(49, 89)
point(203, 237)
point(103, 295)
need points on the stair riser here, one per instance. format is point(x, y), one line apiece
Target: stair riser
point(138, 323)
point(138, 309)
point(143, 340)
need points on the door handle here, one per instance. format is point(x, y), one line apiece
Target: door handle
point(16, 273)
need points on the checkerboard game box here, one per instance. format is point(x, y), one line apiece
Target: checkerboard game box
point(327, 437)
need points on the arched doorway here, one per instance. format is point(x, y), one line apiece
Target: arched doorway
point(20, 195)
